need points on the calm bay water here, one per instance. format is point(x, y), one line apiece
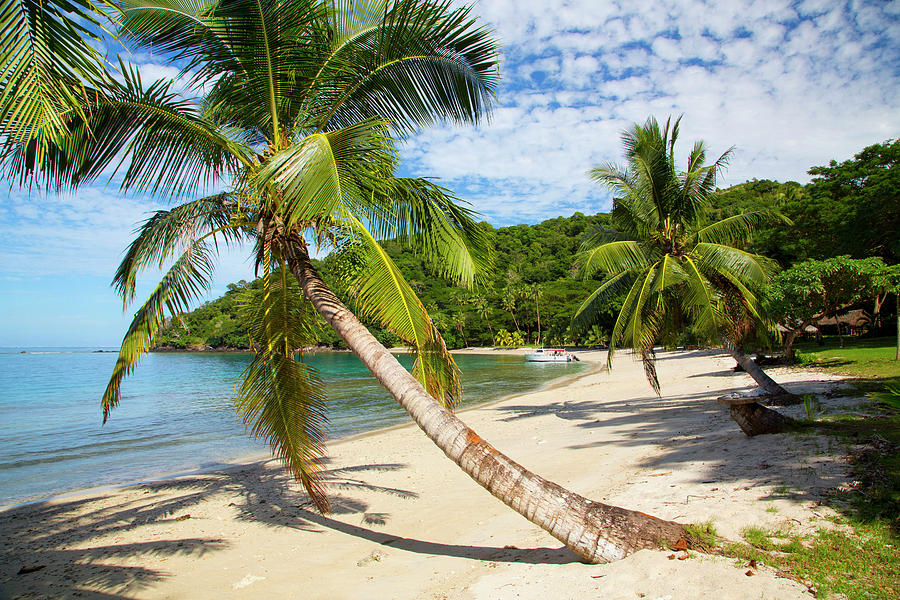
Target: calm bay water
point(176, 412)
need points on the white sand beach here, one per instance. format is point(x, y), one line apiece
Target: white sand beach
point(407, 523)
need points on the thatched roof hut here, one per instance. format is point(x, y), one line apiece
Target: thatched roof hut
point(854, 319)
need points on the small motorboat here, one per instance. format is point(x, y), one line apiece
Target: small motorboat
point(550, 355)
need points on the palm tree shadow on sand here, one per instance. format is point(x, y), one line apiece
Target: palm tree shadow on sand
point(58, 548)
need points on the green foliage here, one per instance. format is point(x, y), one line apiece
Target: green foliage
point(543, 251)
point(705, 533)
point(850, 208)
point(890, 397)
point(814, 289)
point(505, 339)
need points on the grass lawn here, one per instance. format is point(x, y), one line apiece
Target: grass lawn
point(869, 362)
point(860, 559)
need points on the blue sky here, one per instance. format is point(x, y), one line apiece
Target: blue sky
point(789, 84)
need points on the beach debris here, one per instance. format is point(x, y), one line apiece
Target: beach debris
point(375, 556)
point(247, 580)
point(750, 573)
point(183, 517)
point(26, 570)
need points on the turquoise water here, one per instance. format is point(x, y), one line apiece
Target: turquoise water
point(176, 412)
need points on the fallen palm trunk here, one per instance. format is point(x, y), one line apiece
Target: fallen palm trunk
point(753, 418)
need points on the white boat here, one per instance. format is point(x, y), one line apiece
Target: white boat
point(550, 355)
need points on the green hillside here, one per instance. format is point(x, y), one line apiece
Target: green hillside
point(850, 208)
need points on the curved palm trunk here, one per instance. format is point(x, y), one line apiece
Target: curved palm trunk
point(594, 531)
point(756, 419)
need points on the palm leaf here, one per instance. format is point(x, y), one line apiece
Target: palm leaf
point(187, 279)
point(738, 228)
point(279, 399)
point(159, 143)
point(426, 218)
point(382, 293)
point(614, 257)
point(754, 270)
point(589, 310)
point(322, 171)
point(426, 62)
point(46, 60)
point(166, 232)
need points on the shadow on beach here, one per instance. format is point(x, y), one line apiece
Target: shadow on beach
point(69, 547)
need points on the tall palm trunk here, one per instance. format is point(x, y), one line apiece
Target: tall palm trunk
point(537, 303)
point(755, 418)
point(596, 532)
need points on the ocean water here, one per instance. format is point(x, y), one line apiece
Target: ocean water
point(176, 412)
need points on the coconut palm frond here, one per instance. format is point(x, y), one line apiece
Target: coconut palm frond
point(185, 282)
point(427, 218)
point(325, 171)
point(752, 269)
point(382, 293)
point(251, 52)
point(279, 399)
point(283, 401)
point(157, 141)
point(602, 235)
point(166, 232)
point(626, 313)
point(46, 65)
point(702, 301)
point(738, 228)
point(588, 312)
point(614, 257)
point(429, 62)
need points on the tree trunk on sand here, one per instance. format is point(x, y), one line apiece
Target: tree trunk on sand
point(596, 532)
point(779, 395)
point(756, 419)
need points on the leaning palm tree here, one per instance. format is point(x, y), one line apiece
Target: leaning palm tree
point(306, 100)
point(678, 271)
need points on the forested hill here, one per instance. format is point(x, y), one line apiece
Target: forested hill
point(850, 208)
point(530, 260)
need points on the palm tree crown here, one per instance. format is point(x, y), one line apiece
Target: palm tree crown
point(678, 269)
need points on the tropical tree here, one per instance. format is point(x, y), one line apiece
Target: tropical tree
point(305, 102)
point(508, 299)
point(483, 308)
point(816, 289)
point(536, 293)
point(676, 270)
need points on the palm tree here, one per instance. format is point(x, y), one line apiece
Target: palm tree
point(480, 303)
point(508, 300)
point(677, 271)
point(305, 102)
point(537, 293)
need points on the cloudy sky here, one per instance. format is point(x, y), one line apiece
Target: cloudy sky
point(789, 84)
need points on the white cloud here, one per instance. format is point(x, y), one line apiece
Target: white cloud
point(791, 88)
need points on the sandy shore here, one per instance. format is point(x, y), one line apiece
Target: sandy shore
point(409, 524)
